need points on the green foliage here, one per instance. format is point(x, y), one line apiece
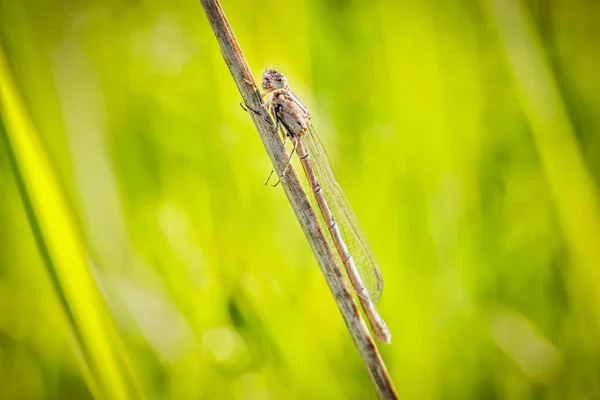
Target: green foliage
point(105, 364)
point(464, 134)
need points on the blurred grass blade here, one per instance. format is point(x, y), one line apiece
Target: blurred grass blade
point(572, 186)
point(105, 364)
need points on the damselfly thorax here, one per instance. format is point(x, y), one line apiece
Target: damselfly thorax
point(295, 119)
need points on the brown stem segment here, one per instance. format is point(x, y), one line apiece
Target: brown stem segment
point(299, 201)
point(379, 327)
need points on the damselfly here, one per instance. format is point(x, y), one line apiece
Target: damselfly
point(336, 214)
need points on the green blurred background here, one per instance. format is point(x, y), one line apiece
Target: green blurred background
point(465, 135)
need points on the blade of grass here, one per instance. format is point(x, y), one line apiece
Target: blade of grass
point(103, 358)
point(575, 194)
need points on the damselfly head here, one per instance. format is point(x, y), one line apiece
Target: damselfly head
point(273, 80)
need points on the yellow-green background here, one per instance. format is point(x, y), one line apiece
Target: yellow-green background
point(465, 134)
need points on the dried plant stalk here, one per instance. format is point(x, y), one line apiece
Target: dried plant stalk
point(244, 80)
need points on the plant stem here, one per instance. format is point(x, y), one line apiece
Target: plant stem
point(296, 195)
